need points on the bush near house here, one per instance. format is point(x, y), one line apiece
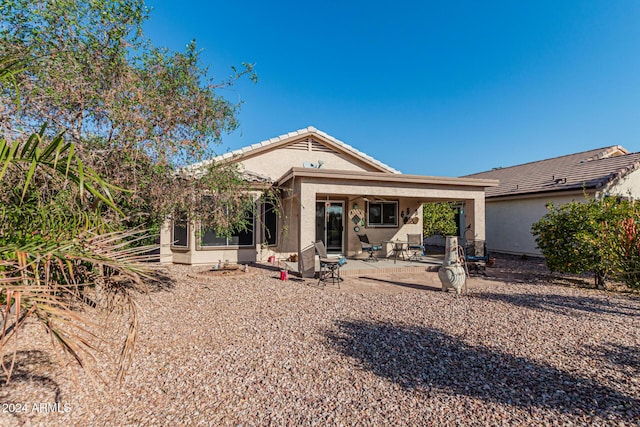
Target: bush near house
point(599, 236)
point(438, 219)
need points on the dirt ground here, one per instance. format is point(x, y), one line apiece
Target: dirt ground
point(521, 347)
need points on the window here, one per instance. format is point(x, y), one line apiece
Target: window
point(269, 223)
point(180, 231)
point(383, 214)
point(237, 238)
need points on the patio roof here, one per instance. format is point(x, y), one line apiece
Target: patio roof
point(381, 177)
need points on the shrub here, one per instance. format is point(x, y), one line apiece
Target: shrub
point(623, 242)
point(598, 236)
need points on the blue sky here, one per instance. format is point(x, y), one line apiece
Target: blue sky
point(430, 88)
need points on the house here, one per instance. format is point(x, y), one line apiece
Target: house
point(329, 191)
point(524, 191)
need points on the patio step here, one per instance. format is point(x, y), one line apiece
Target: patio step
point(383, 270)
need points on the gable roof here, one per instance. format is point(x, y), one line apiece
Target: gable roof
point(288, 138)
point(593, 169)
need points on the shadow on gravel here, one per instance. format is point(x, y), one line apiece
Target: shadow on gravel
point(625, 358)
point(24, 371)
point(403, 284)
point(564, 304)
point(422, 358)
point(160, 281)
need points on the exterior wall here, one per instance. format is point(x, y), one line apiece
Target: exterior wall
point(297, 229)
point(166, 254)
point(508, 223)
point(277, 162)
point(194, 254)
point(288, 223)
point(377, 235)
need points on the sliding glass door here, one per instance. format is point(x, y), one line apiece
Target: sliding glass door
point(330, 225)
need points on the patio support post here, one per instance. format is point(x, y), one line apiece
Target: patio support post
point(166, 255)
point(474, 213)
point(307, 231)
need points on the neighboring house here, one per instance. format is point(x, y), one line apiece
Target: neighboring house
point(524, 191)
point(329, 191)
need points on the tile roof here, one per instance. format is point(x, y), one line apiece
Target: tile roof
point(250, 176)
point(592, 169)
point(302, 132)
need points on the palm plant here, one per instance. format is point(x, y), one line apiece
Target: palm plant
point(57, 255)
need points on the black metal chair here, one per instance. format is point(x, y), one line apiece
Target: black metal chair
point(415, 245)
point(476, 256)
point(329, 267)
point(368, 247)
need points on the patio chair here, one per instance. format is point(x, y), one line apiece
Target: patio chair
point(415, 245)
point(368, 247)
point(476, 256)
point(329, 267)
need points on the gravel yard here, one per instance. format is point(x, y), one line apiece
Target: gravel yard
point(253, 350)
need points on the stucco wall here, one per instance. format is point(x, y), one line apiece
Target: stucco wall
point(377, 235)
point(275, 163)
point(508, 223)
point(288, 227)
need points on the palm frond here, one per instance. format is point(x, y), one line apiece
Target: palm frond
point(73, 269)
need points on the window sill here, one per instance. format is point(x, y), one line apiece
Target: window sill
point(223, 248)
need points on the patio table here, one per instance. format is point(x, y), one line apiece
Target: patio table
point(400, 248)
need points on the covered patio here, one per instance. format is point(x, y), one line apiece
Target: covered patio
point(337, 206)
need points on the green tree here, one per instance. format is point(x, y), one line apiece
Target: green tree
point(439, 219)
point(124, 118)
point(135, 112)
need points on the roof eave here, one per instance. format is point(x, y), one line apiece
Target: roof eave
point(380, 176)
point(537, 194)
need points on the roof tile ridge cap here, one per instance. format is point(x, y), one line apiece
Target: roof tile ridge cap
point(273, 140)
point(618, 174)
point(607, 152)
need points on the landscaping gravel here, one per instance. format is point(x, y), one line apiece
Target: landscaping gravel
point(250, 349)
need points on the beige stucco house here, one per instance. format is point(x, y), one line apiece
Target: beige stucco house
point(329, 191)
point(525, 190)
